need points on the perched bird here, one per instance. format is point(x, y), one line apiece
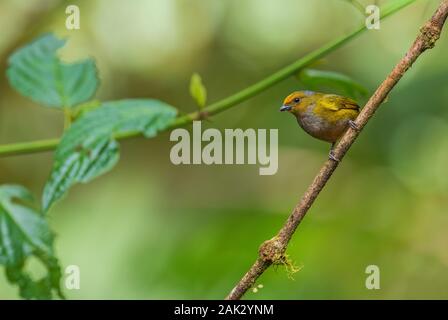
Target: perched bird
point(323, 116)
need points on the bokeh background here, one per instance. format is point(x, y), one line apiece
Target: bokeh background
point(152, 230)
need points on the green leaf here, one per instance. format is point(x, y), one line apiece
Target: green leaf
point(24, 232)
point(316, 79)
point(198, 90)
point(88, 149)
point(37, 73)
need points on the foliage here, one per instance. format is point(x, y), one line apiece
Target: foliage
point(198, 91)
point(87, 150)
point(314, 79)
point(24, 233)
point(36, 72)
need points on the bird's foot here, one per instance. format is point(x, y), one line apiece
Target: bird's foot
point(331, 156)
point(353, 125)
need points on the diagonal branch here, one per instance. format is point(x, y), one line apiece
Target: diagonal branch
point(273, 251)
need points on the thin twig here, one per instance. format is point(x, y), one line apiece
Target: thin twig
point(357, 5)
point(226, 103)
point(273, 251)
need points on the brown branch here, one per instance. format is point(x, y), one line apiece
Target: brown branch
point(273, 251)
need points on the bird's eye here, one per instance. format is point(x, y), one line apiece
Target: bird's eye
point(297, 100)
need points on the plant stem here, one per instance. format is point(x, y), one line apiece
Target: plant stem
point(28, 147)
point(273, 251)
point(226, 103)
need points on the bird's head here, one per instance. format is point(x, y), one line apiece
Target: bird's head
point(297, 101)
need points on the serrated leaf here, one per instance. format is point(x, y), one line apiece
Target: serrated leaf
point(24, 232)
point(198, 91)
point(316, 79)
point(37, 73)
point(88, 149)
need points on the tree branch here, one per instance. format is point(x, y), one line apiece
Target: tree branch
point(226, 103)
point(273, 251)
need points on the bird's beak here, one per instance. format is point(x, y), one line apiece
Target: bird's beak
point(285, 108)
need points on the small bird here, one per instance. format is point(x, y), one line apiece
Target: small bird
point(323, 116)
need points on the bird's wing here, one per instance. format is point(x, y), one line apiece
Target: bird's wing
point(336, 103)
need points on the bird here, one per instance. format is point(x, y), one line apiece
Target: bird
point(323, 116)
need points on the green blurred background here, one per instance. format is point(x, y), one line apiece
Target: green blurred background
point(152, 230)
